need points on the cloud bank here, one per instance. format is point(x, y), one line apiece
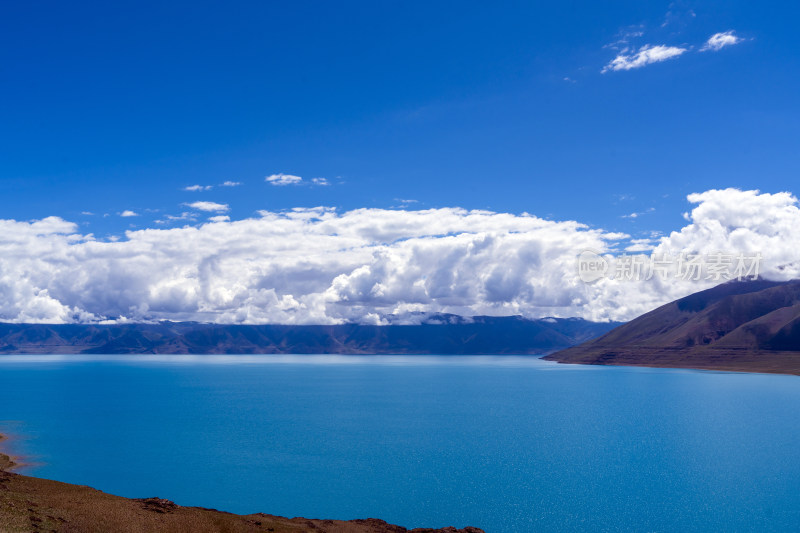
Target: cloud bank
point(319, 266)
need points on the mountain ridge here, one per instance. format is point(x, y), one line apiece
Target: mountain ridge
point(446, 335)
point(751, 326)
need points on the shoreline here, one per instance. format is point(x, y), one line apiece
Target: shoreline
point(732, 369)
point(729, 365)
point(723, 360)
point(29, 503)
point(7, 462)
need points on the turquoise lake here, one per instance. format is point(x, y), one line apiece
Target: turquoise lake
point(508, 444)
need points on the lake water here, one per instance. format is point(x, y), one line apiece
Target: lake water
point(509, 444)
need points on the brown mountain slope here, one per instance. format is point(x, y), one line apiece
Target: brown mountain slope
point(751, 326)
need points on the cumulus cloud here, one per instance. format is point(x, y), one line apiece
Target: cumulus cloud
point(646, 55)
point(198, 188)
point(299, 266)
point(320, 181)
point(730, 222)
point(721, 40)
point(230, 184)
point(748, 221)
point(283, 179)
point(209, 206)
point(129, 213)
point(317, 265)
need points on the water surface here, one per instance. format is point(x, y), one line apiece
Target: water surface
point(509, 444)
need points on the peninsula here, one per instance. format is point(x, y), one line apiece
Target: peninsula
point(745, 326)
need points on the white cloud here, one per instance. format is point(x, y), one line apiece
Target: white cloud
point(129, 213)
point(316, 265)
point(646, 55)
point(730, 221)
point(721, 40)
point(219, 218)
point(301, 266)
point(641, 245)
point(174, 218)
point(283, 179)
point(230, 184)
point(320, 181)
point(209, 206)
point(404, 203)
point(640, 213)
point(198, 188)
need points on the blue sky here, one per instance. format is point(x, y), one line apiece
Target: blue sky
point(450, 143)
point(118, 106)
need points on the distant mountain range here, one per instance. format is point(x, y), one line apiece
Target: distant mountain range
point(749, 326)
point(439, 334)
